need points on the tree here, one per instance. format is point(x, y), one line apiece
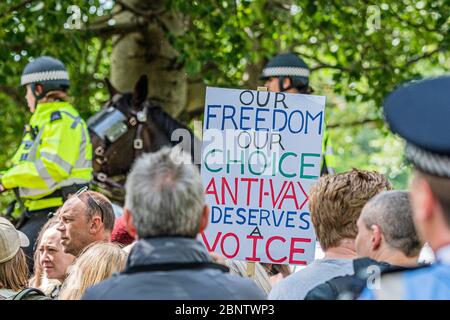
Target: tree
point(358, 51)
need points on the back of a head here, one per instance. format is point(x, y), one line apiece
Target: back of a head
point(96, 263)
point(164, 194)
point(336, 201)
point(13, 265)
point(392, 212)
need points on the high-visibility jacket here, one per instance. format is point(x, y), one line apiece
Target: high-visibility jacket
point(55, 152)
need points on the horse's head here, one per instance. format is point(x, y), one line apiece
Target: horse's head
point(122, 130)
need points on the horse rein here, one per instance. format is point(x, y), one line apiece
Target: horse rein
point(138, 120)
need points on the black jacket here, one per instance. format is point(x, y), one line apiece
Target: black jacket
point(350, 286)
point(173, 269)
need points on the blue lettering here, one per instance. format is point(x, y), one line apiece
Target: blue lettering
point(238, 213)
point(230, 116)
point(209, 115)
point(258, 119)
point(244, 118)
point(289, 219)
point(213, 210)
point(308, 115)
point(227, 215)
point(252, 215)
point(264, 215)
point(303, 217)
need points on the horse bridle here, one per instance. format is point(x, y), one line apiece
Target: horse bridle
point(138, 120)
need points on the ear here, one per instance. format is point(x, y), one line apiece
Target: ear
point(377, 237)
point(38, 89)
point(112, 91)
point(131, 229)
point(204, 219)
point(423, 200)
point(96, 225)
point(140, 90)
point(287, 82)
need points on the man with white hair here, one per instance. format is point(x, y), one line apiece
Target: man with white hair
point(165, 210)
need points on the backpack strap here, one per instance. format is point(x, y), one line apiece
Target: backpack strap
point(175, 266)
point(27, 292)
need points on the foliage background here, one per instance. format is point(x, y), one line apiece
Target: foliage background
point(358, 52)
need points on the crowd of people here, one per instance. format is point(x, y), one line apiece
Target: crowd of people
point(371, 235)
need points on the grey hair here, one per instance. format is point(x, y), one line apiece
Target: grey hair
point(392, 212)
point(164, 194)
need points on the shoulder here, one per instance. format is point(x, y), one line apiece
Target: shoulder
point(104, 289)
point(395, 283)
point(237, 286)
point(323, 291)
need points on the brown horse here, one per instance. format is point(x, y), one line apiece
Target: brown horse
point(127, 126)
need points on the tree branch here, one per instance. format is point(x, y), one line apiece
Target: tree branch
point(423, 56)
point(136, 11)
point(106, 30)
point(16, 8)
point(354, 123)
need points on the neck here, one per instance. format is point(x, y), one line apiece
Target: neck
point(345, 250)
point(440, 244)
point(397, 258)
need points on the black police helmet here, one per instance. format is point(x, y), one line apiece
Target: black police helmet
point(287, 65)
point(48, 72)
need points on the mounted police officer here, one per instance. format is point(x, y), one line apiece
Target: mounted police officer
point(54, 157)
point(287, 72)
point(419, 112)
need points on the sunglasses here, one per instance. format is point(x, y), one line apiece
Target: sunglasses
point(90, 198)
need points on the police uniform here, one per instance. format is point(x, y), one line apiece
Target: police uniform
point(420, 112)
point(54, 157)
point(291, 66)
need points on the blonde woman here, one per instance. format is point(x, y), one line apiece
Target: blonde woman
point(97, 262)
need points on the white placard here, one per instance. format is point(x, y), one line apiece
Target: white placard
point(261, 153)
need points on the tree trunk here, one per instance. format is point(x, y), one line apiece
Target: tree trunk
point(149, 52)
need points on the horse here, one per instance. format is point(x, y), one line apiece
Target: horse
point(127, 126)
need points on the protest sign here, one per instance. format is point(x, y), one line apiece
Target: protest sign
point(261, 153)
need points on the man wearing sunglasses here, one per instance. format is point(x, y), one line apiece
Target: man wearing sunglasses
point(86, 217)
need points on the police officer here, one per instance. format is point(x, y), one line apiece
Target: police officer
point(420, 113)
point(289, 73)
point(54, 157)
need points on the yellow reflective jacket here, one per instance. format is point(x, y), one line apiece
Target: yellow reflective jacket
point(55, 152)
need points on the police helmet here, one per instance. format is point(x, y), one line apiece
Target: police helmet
point(287, 65)
point(48, 72)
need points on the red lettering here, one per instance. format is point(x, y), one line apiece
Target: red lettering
point(306, 199)
point(294, 250)
point(249, 187)
point(227, 186)
point(234, 254)
point(212, 184)
point(267, 249)
point(205, 241)
point(275, 201)
point(255, 240)
point(289, 196)
point(261, 189)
